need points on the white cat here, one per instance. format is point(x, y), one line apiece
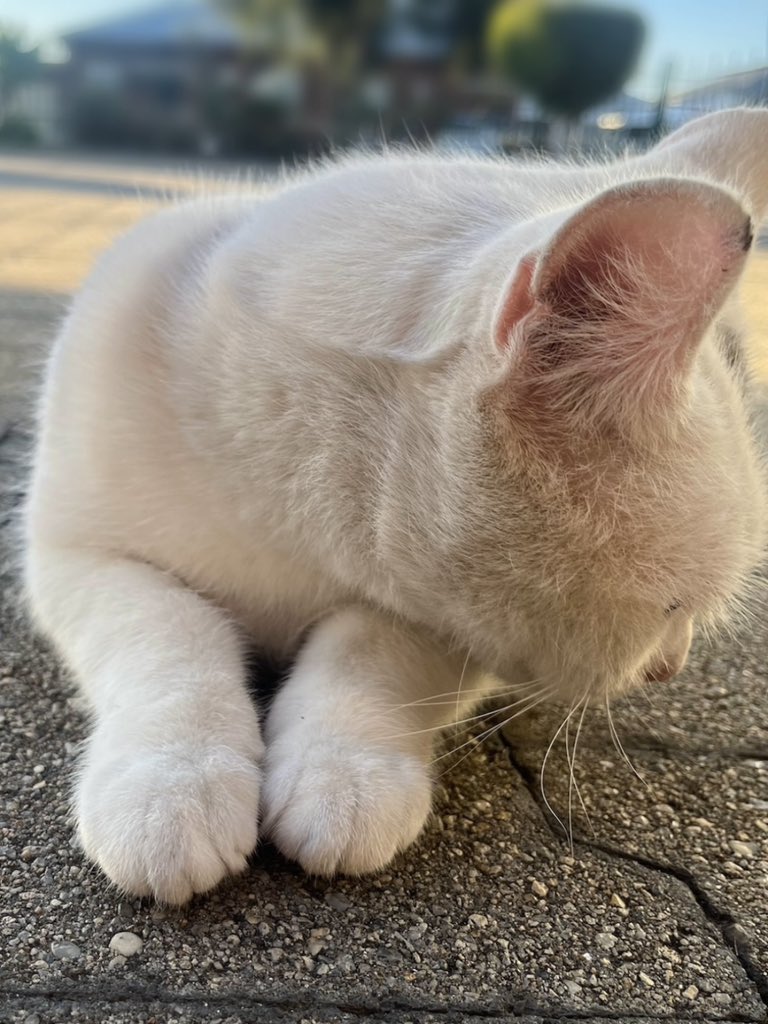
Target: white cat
point(416, 419)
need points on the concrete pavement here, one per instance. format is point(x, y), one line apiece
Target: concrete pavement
point(659, 911)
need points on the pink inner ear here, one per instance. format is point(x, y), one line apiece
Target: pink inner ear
point(610, 314)
point(662, 250)
point(518, 301)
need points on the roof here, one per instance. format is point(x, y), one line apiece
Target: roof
point(165, 26)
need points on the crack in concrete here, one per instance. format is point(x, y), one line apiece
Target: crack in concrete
point(729, 927)
point(518, 1007)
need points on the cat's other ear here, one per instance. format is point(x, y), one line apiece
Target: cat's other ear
point(610, 312)
point(729, 147)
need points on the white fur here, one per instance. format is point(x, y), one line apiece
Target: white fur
point(317, 418)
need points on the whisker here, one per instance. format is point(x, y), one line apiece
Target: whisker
point(575, 745)
point(571, 777)
point(463, 721)
point(543, 769)
point(434, 699)
point(458, 696)
point(531, 701)
point(475, 741)
point(618, 744)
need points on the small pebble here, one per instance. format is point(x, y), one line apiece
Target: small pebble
point(606, 940)
point(66, 951)
point(741, 849)
point(691, 992)
point(125, 944)
point(574, 989)
point(617, 901)
point(539, 889)
point(648, 982)
point(337, 901)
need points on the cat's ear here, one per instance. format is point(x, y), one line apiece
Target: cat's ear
point(729, 147)
point(613, 307)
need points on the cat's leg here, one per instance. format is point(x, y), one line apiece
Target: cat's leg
point(167, 794)
point(347, 780)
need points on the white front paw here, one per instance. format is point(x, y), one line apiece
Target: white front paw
point(335, 805)
point(170, 822)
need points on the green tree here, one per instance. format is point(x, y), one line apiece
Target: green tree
point(567, 55)
point(469, 28)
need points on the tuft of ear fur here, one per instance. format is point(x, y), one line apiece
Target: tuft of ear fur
point(607, 317)
point(728, 147)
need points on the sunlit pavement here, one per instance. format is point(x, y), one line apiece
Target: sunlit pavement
point(657, 913)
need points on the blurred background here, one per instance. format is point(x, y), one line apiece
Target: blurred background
point(275, 80)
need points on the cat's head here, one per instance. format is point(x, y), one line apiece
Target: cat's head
point(620, 501)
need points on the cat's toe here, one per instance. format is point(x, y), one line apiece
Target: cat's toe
point(169, 824)
point(341, 808)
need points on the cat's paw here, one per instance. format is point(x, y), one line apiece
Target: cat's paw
point(337, 806)
point(168, 823)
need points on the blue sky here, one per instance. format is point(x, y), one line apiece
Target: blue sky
point(705, 38)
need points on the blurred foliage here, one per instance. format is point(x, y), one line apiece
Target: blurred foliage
point(18, 63)
point(567, 55)
point(348, 29)
point(336, 44)
point(308, 30)
point(469, 29)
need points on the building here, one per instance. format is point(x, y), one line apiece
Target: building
point(177, 76)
